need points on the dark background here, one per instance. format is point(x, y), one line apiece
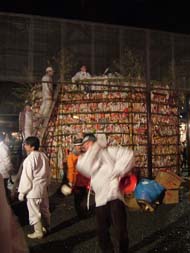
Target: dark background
point(158, 15)
point(153, 14)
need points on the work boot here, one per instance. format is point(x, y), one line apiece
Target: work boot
point(46, 230)
point(46, 225)
point(38, 231)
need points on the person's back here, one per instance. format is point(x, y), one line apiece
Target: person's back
point(41, 174)
point(5, 161)
point(47, 87)
point(26, 121)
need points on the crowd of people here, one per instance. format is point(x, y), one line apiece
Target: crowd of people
point(92, 165)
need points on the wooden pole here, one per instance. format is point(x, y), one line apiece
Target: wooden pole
point(148, 104)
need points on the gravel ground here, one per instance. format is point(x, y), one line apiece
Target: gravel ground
point(165, 230)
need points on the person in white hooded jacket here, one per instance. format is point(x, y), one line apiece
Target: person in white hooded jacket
point(6, 166)
point(47, 92)
point(34, 182)
point(26, 121)
point(106, 166)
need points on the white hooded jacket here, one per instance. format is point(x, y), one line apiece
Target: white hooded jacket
point(5, 160)
point(35, 176)
point(47, 88)
point(81, 75)
point(106, 167)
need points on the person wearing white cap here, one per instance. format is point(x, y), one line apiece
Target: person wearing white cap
point(106, 166)
point(47, 92)
point(77, 183)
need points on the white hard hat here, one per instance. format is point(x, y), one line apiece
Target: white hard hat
point(49, 69)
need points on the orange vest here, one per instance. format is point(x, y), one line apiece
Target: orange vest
point(73, 175)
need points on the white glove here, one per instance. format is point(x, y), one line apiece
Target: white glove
point(21, 197)
point(101, 140)
point(66, 190)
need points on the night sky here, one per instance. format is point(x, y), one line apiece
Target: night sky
point(153, 14)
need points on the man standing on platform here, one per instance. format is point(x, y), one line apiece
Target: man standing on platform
point(81, 75)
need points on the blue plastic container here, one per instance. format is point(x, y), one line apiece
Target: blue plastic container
point(148, 190)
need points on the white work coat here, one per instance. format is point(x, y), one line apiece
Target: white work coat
point(28, 128)
point(47, 88)
point(105, 167)
point(35, 176)
point(47, 96)
point(5, 160)
point(81, 75)
point(26, 123)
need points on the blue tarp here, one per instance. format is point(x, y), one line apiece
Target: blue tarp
point(148, 190)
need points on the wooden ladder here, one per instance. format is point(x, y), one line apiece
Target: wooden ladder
point(43, 127)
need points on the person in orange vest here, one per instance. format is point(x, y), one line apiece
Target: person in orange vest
point(77, 181)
